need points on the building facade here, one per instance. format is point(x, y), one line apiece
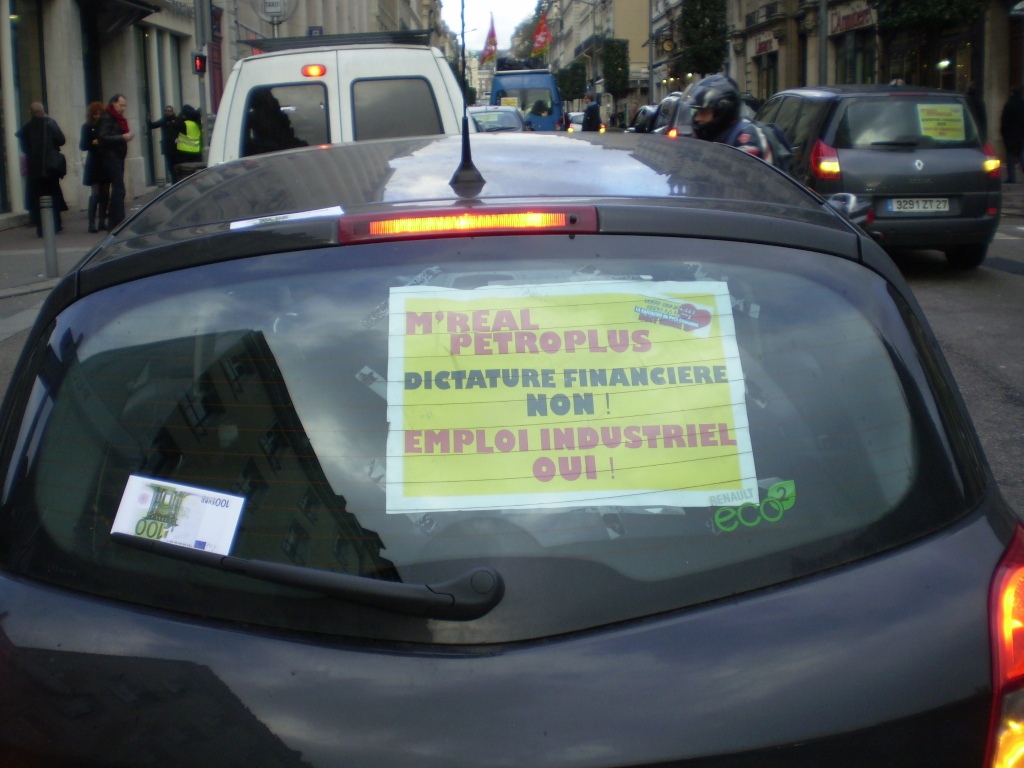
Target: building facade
point(68, 53)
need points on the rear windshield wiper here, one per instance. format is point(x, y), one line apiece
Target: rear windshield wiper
point(464, 598)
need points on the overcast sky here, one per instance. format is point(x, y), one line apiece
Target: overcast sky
point(507, 16)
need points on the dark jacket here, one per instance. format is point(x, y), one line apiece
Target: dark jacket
point(169, 126)
point(93, 172)
point(41, 138)
point(109, 132)
point(592, 117)
point(1011, 122)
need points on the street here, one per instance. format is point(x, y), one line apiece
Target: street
point(976, 315)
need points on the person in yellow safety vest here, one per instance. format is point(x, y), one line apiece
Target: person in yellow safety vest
point(189, 145)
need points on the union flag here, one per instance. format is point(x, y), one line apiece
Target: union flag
point(541, 36)
point(490, 51)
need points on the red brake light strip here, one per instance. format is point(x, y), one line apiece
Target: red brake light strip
point(456, 222)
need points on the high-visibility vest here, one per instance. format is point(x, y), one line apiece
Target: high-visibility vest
point(189, 143)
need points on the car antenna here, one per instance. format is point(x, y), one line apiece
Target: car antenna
point(467, 181)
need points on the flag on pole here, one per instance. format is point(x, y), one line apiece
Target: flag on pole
point(542, 36)
point(490, 51)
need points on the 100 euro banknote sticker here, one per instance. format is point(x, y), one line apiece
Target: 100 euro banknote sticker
point(184, 515)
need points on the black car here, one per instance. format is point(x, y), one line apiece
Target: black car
point(915, 153)
point(383, 454)
point(643, 120)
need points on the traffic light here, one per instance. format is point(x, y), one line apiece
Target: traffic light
point(198, 63)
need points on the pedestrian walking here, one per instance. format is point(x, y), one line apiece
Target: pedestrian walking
point(591, 114)
point(1011, 128)
point(168, 125)
point(93, 174)
point(114, 134)
point(41, 139)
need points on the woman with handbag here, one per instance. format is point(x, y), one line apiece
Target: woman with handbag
point(94, 175)
point(41, 139)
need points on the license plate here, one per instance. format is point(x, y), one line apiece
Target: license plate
point(918, 204)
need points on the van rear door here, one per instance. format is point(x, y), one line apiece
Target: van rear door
point(278, 101)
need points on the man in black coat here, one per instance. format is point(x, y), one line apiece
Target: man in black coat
point(41, 139)
point(591, 114)
point(1011, 127)
point(168, 125)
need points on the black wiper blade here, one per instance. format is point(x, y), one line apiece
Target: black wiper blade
point(902, 143)
point(464, 598)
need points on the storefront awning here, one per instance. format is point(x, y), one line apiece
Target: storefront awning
point(112, 16)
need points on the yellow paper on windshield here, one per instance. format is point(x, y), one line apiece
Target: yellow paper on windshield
point(943, 122)
point(509, 397)
point(509, 101)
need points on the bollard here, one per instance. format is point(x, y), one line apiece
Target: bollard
point(49, 234)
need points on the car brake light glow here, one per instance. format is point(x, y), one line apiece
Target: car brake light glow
point(448, 223)
point(672, 133)
point(825, 161)
point(1006, 607)
point(314, 70)
point(992, 163)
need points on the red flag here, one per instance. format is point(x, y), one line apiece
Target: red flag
point(542, 36)
point(491, 48)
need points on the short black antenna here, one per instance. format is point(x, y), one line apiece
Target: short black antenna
point(467, 181)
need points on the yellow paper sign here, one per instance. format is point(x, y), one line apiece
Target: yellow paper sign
point(625, 393)
point(943, 122)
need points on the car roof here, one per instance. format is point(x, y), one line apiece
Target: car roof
point(845, 91)
point(295, 199)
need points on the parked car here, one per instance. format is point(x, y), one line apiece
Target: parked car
point(576, 123)
point(377, 454)
point(915, 153)
point(497, 119)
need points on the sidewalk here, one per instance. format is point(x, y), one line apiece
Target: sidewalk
point(23, 261)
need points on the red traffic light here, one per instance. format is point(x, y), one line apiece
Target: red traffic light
point(198, 63)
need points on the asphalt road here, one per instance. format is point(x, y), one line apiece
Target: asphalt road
point(978, 317)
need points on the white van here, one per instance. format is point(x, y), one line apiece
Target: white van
point(338, 91)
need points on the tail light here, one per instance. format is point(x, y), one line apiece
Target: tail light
point(1006, 608)
point(672, 133)
point(825, 161)
point(992, 163)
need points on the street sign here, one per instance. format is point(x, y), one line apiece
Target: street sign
point(315, 31)
point(273, 7)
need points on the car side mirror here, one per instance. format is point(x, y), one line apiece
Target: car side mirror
point(850, 206)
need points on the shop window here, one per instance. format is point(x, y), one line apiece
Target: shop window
point(767, 74)
point(855, 58)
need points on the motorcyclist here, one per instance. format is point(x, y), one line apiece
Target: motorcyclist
point(716, 117)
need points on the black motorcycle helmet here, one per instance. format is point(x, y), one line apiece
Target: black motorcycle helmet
point(721, 95)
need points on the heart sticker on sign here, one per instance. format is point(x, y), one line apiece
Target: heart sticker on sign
point(694, 319)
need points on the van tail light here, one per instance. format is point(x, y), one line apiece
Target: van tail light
point(1006, 610)
point(825, 161)
point(992, 163)
point(672, 133)
point(465, 222)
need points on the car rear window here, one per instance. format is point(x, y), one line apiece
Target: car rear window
point(388, 108)
point(285, 117)
point(617, 435)
point(905, 121)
